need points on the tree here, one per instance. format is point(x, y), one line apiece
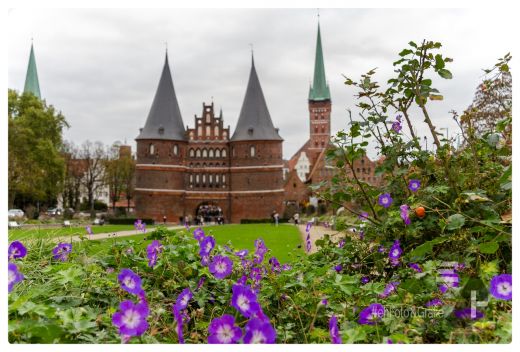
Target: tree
point(94, 157)
point(114, 174)
point(128, 166)
point(74, 173)
point(36, 166)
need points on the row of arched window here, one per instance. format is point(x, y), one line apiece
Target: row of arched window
point(207, 180)
point(153, 151)
point(206, 165)
point(207, 153)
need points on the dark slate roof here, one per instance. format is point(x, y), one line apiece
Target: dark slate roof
point(254, 122)
point(164, 120)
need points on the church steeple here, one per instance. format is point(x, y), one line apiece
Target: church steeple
point(164, 120)
point(319, 90)
point(32, 85)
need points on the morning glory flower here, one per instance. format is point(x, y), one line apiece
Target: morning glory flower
point(207, 245)
point(183, 299)
point(414, 185)
point(13, 276)
point(16, 250)
point(244, 300)
point(396, 126)
point(131, 318)
point(221, 267)
point(130, 281)
point(385, 200)
point(395, 253)
point(152, 252)
point(224, 330)
point(389, 289)
point(404, 214)
point(62, 251)
point(198, 234)
point(259, 331)
point(333, 330)
point(371, 314)
point(468, 314)
point(501, 287)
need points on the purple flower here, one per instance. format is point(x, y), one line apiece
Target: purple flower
point(241, 254)
point(324, 301)
point(89, 230)
point(449, 279)
point(286, 267)
point(396, 126)
point(139, 225)
point(200, 283)
point(414, 185)
point(179, 319)
point(363, 216)
point(399, 117)
point(259, 331)
point(468, 314)
point(182, 300)
point(436, 302)
point(371, 314)
point(204, 260)
point(308, 245)
point(16, 250)
point(109, 270)
point(381, 249)
point(404, 214)
point(389, 289)
point(221, 267)
point(308, 227)
point(152, 251)
point(130, 281)
point(206, 246)
point(131, 318)
point(275, 264)
point(415, 267)
point(62, 251)
point(338, 268)
point(224, 330)
point(395, 253)
point(198, 234)
point(365, 280)
point(341, 243)
point(501, 287)
point(260, 251)
point(385, 200)
point(244, 300)
point(13, 276)
point(333, 330)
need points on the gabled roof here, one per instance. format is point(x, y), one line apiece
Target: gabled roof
point(164, 120)
point(254, 122)
point(320, 89)
point(32, 85)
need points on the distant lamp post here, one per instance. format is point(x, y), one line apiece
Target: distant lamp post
point(425, 143)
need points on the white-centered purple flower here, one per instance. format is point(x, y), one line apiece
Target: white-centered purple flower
point(13, 276)
point(16, 250)
point(501, 287)
point(130, 281)
point(182, 300)
point(242, 253)
point(131, 318)
point(259, 331)
point(224, 330)
point(206, 246)
point(152, 252)
point(62, 251)
point(404, 214)
point(221, 267)
point(414, 185)
point(198, 234)
point(334, 330)
point(260, 251)
point(371, 314)
point(396, 126)
point(275, 265)
point(385, 200)
point(244, 300)
point(389, 289)
point(395, 253)
point(468, 314)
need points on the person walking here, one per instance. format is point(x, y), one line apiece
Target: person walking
point(164, 219)
point(296, 218)
point(276, 218)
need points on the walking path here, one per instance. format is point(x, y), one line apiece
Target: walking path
point(101, 236)
point(317, 232)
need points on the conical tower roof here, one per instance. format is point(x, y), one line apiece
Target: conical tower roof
point(164, 120)
point(254, 122)
point(32, 85)
point(320, 89)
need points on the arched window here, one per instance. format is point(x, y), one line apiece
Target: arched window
point(199, 131)
point(176, 150)
point(191, 180)
point(252, 151)
point(210, 181)
point(151, 149)
point(192, 153)
point(210, 154)
point(197, 179)
point(208, 118)
point(217, 153)
point(217, 179)
point(223, 180)
point(203, 180)
point(224, 135)
point(197, 153)
point(224, 152)
point(204, 153)
point(215, 132)
point(208, 131)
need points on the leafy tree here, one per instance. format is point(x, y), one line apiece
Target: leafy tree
point(74, 173)
point(94, 157)
point(36, 166)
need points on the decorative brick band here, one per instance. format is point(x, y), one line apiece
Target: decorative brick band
point(177, 191)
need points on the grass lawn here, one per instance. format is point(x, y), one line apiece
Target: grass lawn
point(23, 234)
point(283, 241)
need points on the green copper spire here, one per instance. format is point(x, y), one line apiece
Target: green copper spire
point(320, 89)
point(31, 79)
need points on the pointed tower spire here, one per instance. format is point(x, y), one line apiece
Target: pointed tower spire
point(32, 85)
point(320, 89)
point(254, 122)
point(164, 120)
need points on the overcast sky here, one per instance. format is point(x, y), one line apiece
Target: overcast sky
point(101, 67)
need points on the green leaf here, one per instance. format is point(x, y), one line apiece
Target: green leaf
point(439, 62)
point(445, 74)
point(456, 221)
point(488, 247)
point(405, 52)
